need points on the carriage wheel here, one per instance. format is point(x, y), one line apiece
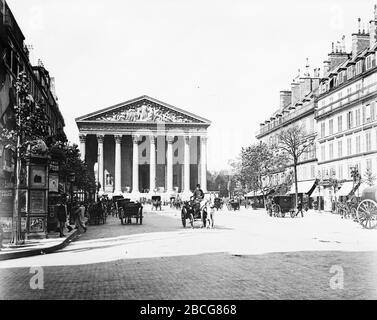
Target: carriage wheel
point(184, 217)
point(367, 214)
point(204, 218)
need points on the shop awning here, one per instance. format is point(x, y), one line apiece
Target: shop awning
point(254, 194)
point(306, 187)
point(346, 189)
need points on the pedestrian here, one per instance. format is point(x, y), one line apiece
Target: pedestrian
point(1, 236)
point(62, 217)
point(79, 213)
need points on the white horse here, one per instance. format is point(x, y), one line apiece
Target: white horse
point(209, 207)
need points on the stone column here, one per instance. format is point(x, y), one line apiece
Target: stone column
point(186, 175)
point(82, 138)
point(135, 164)
point(169, 165)
point(118, 164)
point(152, 164)
point(100, 139)
point(203, 163)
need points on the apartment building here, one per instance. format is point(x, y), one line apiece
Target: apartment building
point(346, 115)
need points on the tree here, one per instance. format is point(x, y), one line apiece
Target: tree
point(294, 142)
point(26, 133)
point(256, 166)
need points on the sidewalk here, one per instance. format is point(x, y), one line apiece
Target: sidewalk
point(37, 247)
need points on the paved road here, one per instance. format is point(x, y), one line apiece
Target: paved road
point(247, 256)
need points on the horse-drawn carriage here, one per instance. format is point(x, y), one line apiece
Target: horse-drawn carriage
point(128, 210)
point(156, 202)
point(191, 210)
point(233, 205)
point(282, 205)
point(176, 202)
point(218, 204)
point(366, 212)
point(97, 214)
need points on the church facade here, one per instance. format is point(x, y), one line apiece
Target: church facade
point(144, 147)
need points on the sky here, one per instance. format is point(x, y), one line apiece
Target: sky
point(224, 60)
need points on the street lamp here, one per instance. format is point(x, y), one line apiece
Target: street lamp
point(71, 179)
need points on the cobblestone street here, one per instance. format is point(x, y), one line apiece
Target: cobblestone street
point(248, 255)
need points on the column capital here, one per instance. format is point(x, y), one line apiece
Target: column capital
point(100, 138)
point(204, 139)
point(82, 137)
point(187, 138)
point(118, 138)
point(135, 138)
point(153, 138)
point(170, 139)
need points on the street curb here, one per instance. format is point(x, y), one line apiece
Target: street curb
point(36, 252)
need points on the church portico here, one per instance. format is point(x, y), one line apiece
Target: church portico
point(144, 147)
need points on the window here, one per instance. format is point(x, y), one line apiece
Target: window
point(349, 120)
point(358, 144)
point(340, 149)
point(312, 172)
point(331, 127)
point(349, 146)
point(368, 141)
point(358, 117)
point(350, 72)
point(323, 132)
point(370, 62)
point(331, 151)
point(367, 113)
point(340, 123)
point(369, 164)
point(340, 172)
point(359, 67)
point(323, 155)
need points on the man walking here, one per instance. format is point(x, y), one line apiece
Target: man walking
point(62, 217)
point(79, 213)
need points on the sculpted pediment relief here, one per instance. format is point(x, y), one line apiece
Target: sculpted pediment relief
point(144, 111)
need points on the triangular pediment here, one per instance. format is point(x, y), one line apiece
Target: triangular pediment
point(143, 110)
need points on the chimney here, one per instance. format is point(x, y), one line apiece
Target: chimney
point(295, 93)
point(360, 41)
point(326, 68)
point(373, 29)
point(285, 98)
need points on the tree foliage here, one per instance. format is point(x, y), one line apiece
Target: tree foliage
point(256, 166)
point(30, 120)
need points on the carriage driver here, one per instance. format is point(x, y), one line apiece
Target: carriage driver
point(199, 196)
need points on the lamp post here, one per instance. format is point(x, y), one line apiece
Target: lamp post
point(71, 179)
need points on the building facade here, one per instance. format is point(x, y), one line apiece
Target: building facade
point(346, 115)
point(34, 197)
point(14, 58)
point(297, 107)
point(145, 147)
point(340, 111)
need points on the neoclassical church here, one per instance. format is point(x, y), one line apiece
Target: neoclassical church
point(144, 146)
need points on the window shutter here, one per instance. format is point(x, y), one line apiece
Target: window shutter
point(364, 114)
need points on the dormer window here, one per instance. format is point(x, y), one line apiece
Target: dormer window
point(370, 62)
point(359, 67)
point(350, 72)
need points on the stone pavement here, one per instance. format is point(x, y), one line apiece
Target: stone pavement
point(247, 256)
